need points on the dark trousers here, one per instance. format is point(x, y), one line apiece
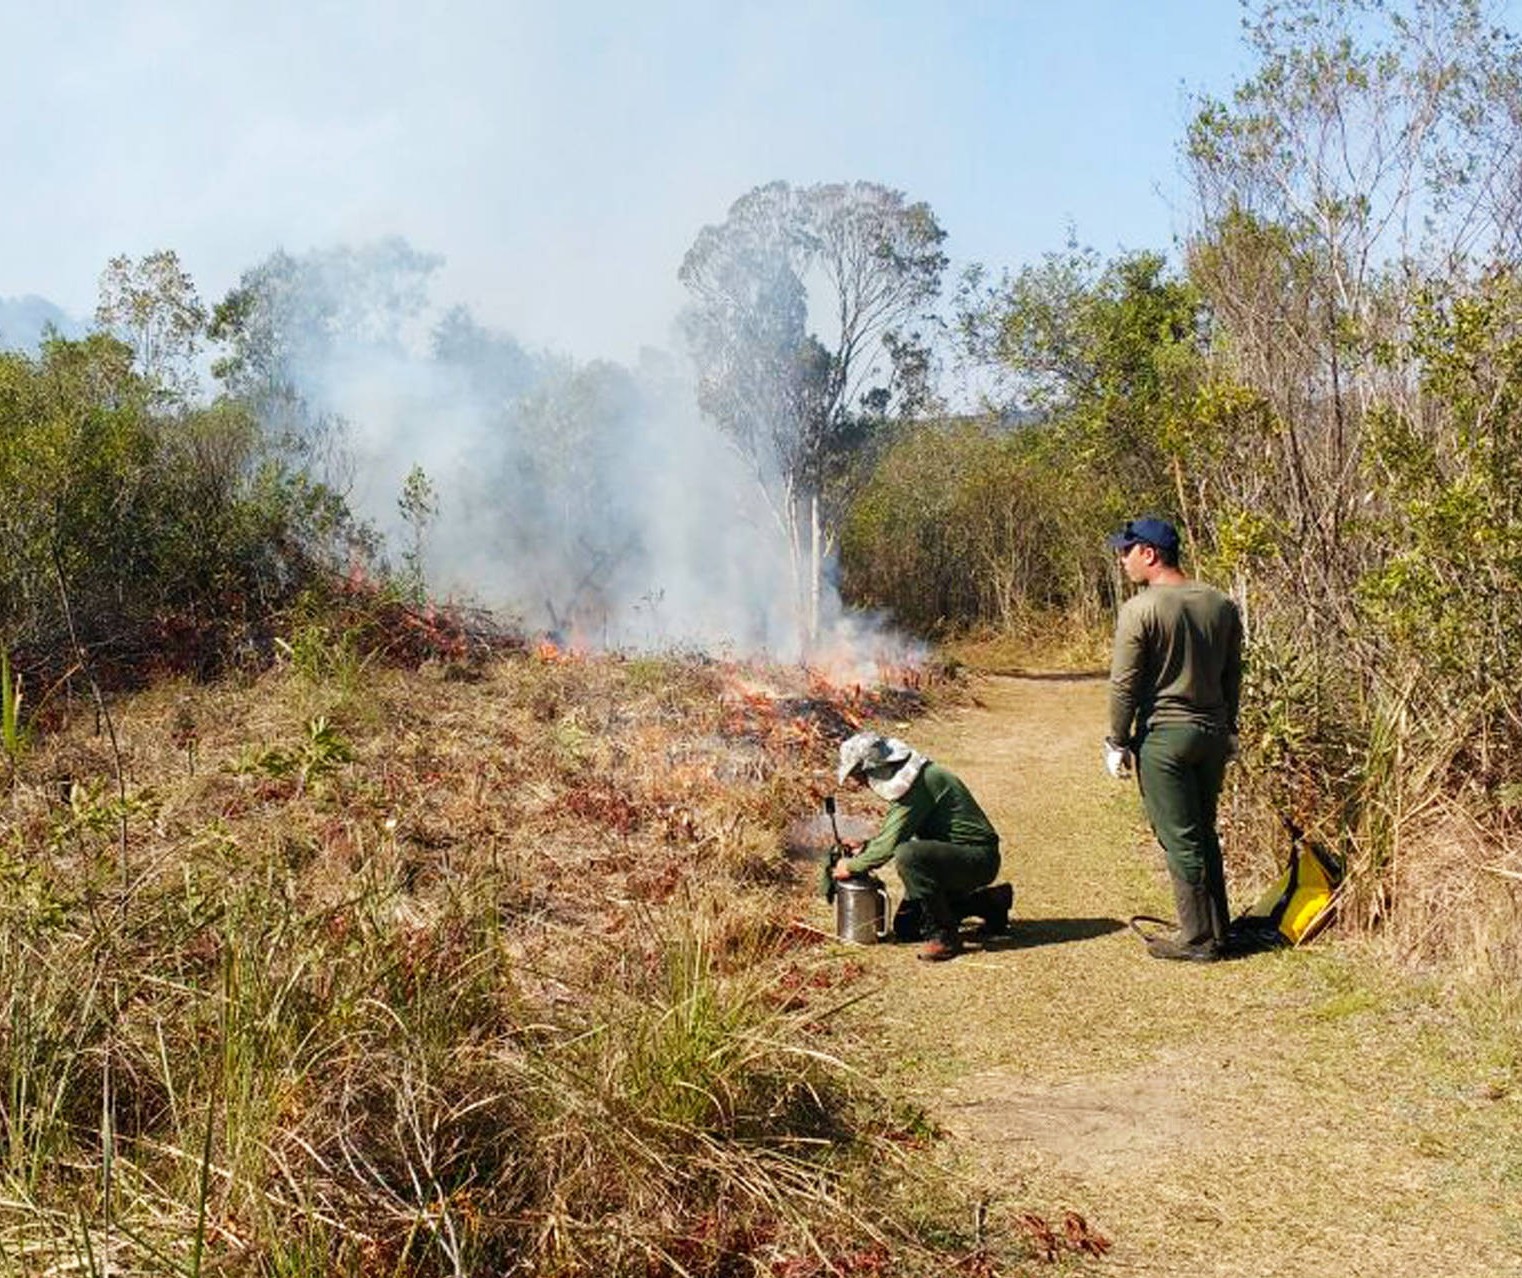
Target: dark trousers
point(933, 873)
point(1180, 769)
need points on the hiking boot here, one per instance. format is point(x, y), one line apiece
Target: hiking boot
point(1201, 926)
point(1169, 947)
point(992, 905)
point(945, 944)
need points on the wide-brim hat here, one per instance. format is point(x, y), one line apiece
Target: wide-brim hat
point(867, 752)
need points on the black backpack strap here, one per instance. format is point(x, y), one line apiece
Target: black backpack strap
point(1276, 915)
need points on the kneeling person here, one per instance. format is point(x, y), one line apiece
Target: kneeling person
point(946, 851)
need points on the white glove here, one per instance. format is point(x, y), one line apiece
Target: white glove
point(1117, 759)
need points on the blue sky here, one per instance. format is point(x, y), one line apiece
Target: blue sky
point(562, 157)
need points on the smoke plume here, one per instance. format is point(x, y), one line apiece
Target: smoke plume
point(588, 501)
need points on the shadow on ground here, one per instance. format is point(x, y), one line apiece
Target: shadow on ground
point(1025, 934)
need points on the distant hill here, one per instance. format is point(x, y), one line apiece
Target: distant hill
point(23, 321)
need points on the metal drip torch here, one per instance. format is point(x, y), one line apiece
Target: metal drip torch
point(861, 901)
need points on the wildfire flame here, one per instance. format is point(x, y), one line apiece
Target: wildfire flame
point(865, 663)
point(552, 652)
point(814, 705)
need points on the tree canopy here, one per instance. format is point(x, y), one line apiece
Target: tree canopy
point(788, 395)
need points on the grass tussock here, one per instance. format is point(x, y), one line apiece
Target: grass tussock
point(415, 973)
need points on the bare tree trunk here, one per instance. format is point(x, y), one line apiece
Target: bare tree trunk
point(816, 569)
point(797, 568)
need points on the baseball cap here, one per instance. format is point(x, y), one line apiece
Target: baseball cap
point(1149, 531)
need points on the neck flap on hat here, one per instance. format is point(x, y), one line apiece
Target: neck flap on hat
point(894, 786)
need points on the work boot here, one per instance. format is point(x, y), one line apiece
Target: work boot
point(942, 940)
point(909, 921)
point(1168, 947)
point(943, 944)
point(1195, 941)
point(991, 904)
point(1220, 913)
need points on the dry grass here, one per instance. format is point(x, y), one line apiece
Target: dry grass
point(504, 968)
point(479, 969)
point(1322, 1111)
point(1456, 900)
point(1043, 644)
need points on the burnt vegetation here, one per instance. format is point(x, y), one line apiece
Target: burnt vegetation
point(346, 931)
point(432, 975)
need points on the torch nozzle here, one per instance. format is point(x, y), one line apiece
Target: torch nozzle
point(829, 806)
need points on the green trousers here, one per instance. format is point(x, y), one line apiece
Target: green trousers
point(1180, 769)
point(933, 873)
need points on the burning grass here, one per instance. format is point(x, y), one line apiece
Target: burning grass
point(367, 971)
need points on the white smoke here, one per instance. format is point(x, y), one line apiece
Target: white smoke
point(588, 501)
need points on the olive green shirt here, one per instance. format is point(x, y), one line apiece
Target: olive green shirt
point(1178, 660)
point(937, 806)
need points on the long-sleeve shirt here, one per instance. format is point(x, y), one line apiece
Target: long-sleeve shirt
point(937, 806)
point(1178, 659)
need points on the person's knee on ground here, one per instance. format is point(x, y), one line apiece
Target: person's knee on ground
point(936, 874)
point(990, 905)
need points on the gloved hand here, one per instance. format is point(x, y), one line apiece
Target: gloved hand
point(834, 870)
point(1233, 748)
point(1117, 759)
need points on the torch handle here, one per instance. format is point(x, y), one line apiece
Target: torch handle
point(829, 806)
point(836, 852)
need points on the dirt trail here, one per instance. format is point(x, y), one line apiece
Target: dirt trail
point(1283, 1115)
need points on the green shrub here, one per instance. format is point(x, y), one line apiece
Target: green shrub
point(176, 533)
point(965, 524)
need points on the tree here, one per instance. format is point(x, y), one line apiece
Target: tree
point(151, 525)
point(1374, 145)
point(792, 401)
point(569, 513)
point(288, 316)
point(152, 305)
point(419, 507)
point(495, 365)
point(1107, 355)
point(960, 525)
point(1358, 243)
point(289, 323)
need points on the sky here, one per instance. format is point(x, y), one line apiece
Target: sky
point(562, 157)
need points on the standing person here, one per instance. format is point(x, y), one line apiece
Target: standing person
point(1175, 682)
point(945, 849)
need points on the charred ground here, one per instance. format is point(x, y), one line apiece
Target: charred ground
point(488, 962)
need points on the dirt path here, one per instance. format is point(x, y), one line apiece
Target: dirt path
point(1284, 1115)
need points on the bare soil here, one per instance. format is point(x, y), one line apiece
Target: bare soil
point(1312, 1112)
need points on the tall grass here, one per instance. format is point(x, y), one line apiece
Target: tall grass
point(285, 1099)
point(414, 1019)
point(11, 739)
